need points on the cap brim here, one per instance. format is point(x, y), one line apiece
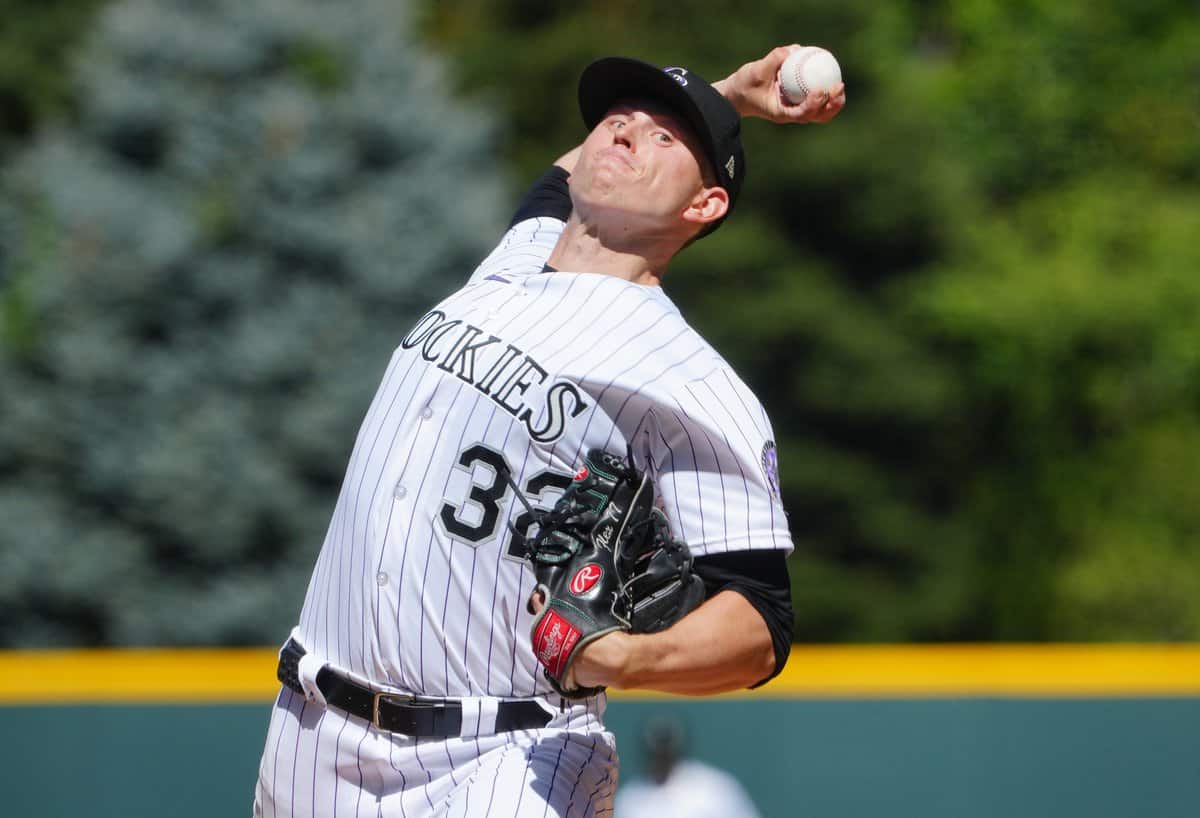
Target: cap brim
point(610, 80)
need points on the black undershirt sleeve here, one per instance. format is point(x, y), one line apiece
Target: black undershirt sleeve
point(547, 197)
point(762, 578)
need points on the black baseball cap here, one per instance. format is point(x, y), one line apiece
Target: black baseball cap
point(609, 80)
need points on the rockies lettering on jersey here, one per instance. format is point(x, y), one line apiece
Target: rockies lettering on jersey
point(453, 345)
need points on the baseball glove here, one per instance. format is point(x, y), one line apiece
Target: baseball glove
point(605, 561)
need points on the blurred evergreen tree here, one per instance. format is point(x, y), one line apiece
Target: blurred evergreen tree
point(967, 303)
point(200, 284)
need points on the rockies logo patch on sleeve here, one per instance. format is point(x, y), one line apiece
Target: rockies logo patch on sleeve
point(770, 464)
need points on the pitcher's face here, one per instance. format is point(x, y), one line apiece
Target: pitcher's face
point(641, 160)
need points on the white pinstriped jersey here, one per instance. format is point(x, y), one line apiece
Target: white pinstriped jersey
point(420, 584)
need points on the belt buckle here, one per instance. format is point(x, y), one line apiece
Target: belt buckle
point(399, 699)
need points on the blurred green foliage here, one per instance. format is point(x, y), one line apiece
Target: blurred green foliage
point(971, 304)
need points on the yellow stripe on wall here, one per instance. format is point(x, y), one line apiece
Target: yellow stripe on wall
point(248, 675)
point(988, 670)
point(154, 675)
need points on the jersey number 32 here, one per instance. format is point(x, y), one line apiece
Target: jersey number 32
point(488, 494)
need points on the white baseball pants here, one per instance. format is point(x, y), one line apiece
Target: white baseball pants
point(322, 763)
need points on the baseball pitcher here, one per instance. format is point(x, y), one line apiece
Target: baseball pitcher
point(559, 487)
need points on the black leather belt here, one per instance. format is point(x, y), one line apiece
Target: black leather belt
point(397, 713)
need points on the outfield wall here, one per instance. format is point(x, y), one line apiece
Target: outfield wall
point(1010, 732)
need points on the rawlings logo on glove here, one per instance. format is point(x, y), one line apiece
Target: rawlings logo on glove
point(604, 561)
point(554, 639)
point(585, 578)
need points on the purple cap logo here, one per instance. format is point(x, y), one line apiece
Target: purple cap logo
point(678, 74)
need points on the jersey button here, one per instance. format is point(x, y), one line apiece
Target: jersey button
point(400, 492)
point(381, 578)
point(426, 413)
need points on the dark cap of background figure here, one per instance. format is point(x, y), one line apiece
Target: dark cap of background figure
point(664, 740)
point(609, 80)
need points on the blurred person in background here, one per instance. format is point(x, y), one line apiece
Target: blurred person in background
point(678, 787)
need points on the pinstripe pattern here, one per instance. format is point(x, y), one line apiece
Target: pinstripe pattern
point(414, 588)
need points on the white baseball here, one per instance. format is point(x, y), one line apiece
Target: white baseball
point(810, 68)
